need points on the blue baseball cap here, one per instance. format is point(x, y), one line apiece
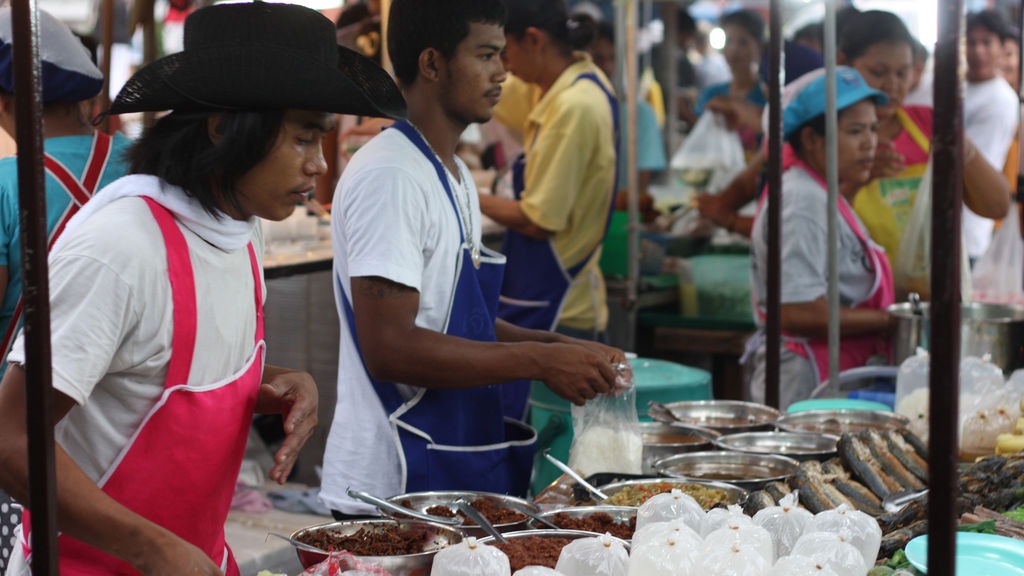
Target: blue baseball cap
point(809, 103)
point(69, 74)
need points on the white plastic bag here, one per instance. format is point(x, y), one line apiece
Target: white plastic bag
point(784, 522)
point(668, 555)
point(538, 571)
point(857, 528)
point(800, 566)
point(678, 530)
point(832, 550)
point(913, 262)
point(470, 558)
point(602, 556)
point(344, 562)
point(738, 559)
point(606, 431)
point(739, 528)
point(668, 506)
point(912, 394)
point(718, 517)
point(999, 274)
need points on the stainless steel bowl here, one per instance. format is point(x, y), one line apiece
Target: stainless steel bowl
point(664, 440)
point(840, 421)
point(749, 471)
point(440, 536)
point(624, 515)
point(796, 445)
point(725, 416)
point(422, 500)
point(732, 494)
point(570, 534)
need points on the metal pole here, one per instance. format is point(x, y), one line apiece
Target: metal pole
point(947, 197)
point(627, 145)
point(107, 42)
point(773, 333)
point(32, 198)
point(832, 180)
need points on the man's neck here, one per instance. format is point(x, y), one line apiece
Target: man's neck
point(438, 128)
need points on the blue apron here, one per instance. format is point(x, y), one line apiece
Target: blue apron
point(459, 439)
point(536, 282)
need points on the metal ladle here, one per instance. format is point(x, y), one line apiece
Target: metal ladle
point(475, 515)
point(384, 504)
point(297, 544)
point(572, 474)
point(664, 414)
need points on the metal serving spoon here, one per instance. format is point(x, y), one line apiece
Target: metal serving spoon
point(475, 515)
point(384, 504)
point(572, 473)
point(896, 501)
point(664, 414)
point(296, 543)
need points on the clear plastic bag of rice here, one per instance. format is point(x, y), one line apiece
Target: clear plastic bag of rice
point(606, 430)
point(736, 530)
point(784, 522)
point(667, 506)
point(800, 566)
point(470, 558)
point(665, 552)
point(718, 517)
point(537, 571)
point(737, 559)
point(601, 556)
point(678, 529)
point(831, 550)
point(859, 529)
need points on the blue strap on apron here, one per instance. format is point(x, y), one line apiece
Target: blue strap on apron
point(457, 439)
point(536, 282)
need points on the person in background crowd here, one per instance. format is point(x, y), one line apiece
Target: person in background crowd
point(79, 159)
point(744, 32)
point(565, 181)
point(422, 354)
point(865, 279)
point(687, 79)
point(1011, 57)
point(650, 148)
point(812, 36)
point(879, 46)
point(921, 86)
point(358, 27)
point(991, 109)
point(156, 295)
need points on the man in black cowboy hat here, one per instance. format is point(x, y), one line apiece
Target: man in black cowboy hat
point(422, 353)
point(157, 293)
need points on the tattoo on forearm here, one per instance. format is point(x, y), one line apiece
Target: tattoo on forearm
point(382, 289)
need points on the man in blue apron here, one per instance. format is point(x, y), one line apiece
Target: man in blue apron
point(422, 357)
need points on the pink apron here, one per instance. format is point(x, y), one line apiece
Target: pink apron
point(856, 350)
point(80, 191)
point(180, 467)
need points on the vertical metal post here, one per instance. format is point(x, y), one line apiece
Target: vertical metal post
point(107, 43)
point(947, 197)
point(32, 198)
point(773, 332)
point(832, 180)
point(627, 146)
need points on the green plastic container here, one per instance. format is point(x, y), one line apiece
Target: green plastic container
point(722, 283)
point(655, 380)
point(615, 250)
point(837, 404)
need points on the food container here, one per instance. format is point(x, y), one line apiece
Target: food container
point(799, 446)
point(549, 533)
point(422, 500)
point(664, 440)
point(748, 471)
point(624, 515)
point(439, 536)
point(994, 329)
point(708, 494)
point(841, 421)
point(725, 416)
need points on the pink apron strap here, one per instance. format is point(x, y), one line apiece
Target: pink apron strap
point(257, 278)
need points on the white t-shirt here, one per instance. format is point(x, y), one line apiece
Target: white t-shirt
point(111, 312)
point(990, 121)
point(391, 218)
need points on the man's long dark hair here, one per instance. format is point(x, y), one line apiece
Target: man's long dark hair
point(178, 149)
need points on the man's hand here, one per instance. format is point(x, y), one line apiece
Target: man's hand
point(292, 394)
point(169, 555)
point(738, 112)
point(579, 370)
point(713, 208)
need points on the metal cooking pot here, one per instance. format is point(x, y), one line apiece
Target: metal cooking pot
point(994, 329)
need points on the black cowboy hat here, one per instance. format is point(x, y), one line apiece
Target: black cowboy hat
point(255, 56)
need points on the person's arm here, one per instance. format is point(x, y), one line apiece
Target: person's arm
point(810, 319)
point(986, 191)
point(509, 213)
point(85, 512)
point(721, 208)
point(293, 395)
point(395, 349)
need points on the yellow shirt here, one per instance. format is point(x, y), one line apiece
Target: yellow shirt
point(570, 176)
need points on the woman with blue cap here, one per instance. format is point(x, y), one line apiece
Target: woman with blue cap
point(865, 278)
